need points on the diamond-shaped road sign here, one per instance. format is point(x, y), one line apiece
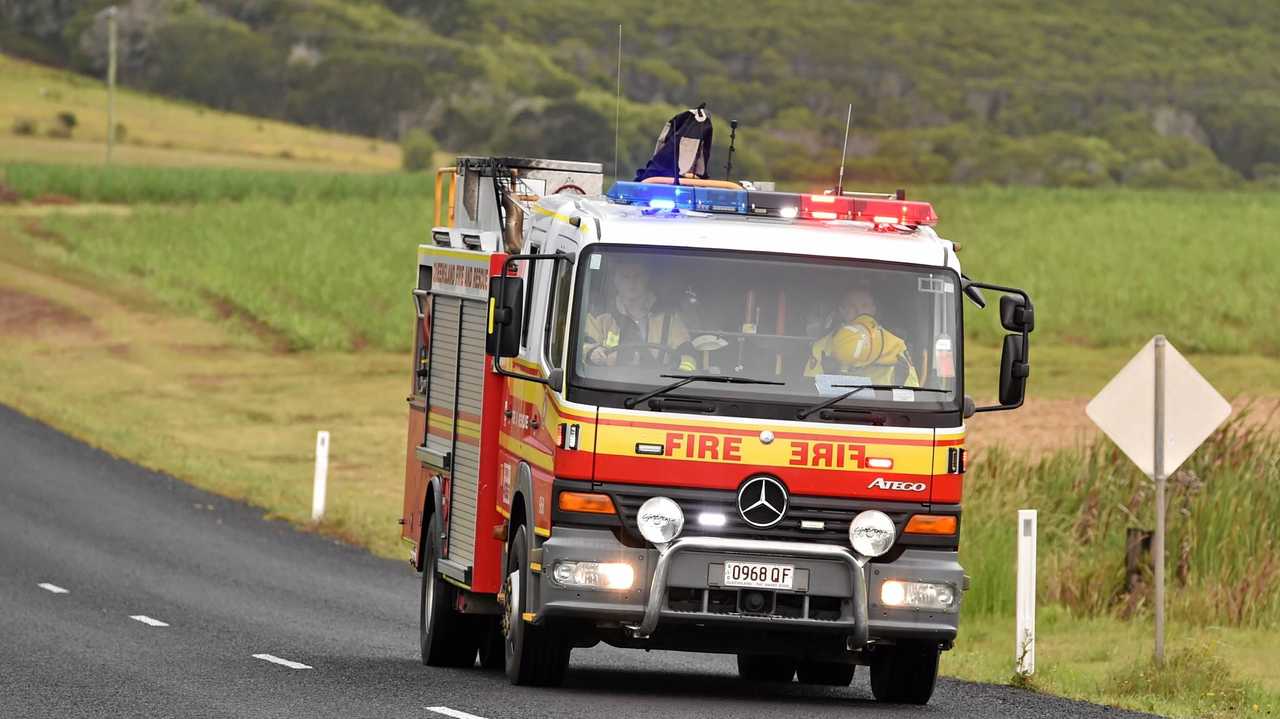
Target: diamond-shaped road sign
point(1124, 409)
point(1158, 410)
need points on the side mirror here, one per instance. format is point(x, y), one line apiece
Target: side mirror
point(1016, 315)
point(1014, 370)
point(555, 379)
point(506, 303)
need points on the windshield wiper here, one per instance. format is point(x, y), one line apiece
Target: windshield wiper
point(685, 379)
point(801, 414)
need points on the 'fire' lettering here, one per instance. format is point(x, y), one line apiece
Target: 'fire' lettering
point(708, 447)
point(733, 449)
point(799, 454)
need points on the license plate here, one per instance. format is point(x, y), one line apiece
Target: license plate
point(759, 575)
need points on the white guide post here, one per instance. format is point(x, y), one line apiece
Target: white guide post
point(112, 46)
point(321, 476)
point(1024, 651)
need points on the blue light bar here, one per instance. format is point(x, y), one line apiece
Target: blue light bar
point(663, 197)
point(714, 199)
point(682, 197)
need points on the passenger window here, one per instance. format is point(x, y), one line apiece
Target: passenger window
point(558, 313)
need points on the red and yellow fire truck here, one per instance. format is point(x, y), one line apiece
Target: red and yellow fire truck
point(690, 415)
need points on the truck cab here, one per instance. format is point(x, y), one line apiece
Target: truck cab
point(694, 417)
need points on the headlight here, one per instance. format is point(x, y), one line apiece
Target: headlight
point(918, 595)
point(660, 520)
point(871, 533)
point(593, 575)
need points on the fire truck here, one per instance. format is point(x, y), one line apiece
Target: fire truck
point(691, 415)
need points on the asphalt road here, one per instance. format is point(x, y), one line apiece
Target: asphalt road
point(95, 551)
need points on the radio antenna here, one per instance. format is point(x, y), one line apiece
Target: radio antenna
point(617, 108)
point(843, 151)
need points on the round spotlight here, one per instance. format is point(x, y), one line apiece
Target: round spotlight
point(660, 520)
point(871, 533)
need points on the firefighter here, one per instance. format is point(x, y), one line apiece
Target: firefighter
point(860, 346)
point(632, 331)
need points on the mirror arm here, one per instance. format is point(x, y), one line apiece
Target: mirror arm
point(970, 290)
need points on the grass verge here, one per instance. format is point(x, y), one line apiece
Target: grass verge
point(1211, 671)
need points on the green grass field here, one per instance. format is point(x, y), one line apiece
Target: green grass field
point(1105, 269)
point(170, 185)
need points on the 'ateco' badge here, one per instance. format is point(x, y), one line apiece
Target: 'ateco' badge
point(762, 501)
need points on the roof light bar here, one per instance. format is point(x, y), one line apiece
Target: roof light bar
point(786, 205)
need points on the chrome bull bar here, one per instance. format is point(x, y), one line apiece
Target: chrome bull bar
point(667, 552)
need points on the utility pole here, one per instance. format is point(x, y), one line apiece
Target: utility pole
point(111, 81)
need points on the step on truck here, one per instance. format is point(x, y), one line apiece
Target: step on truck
point(691, 415)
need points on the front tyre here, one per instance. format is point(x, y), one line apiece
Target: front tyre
point(445, 636)
point(905, 674)
point(535, 655)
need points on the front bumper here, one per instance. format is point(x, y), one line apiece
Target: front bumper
point(678, 586)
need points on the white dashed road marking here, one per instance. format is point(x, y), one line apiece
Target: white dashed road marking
point(53, 588)
point(282, 662)
point(148, 620)
point(453, 713)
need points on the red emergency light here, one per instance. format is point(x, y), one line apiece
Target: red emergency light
point(864, 209)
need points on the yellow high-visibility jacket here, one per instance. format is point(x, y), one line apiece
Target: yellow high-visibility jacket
point(893, 366)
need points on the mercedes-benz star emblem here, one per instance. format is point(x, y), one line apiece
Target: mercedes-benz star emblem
point(762, 501)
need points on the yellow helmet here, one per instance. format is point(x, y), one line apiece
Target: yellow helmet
point(859, 343)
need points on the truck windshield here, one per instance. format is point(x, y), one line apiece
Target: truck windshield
point(815, 325)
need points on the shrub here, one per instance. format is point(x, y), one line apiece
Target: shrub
point(418, 151)
point(24, 126)
point(68, 120)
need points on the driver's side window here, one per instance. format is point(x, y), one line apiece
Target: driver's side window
point(558, 314)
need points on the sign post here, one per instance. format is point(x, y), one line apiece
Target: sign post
point(1158, 410)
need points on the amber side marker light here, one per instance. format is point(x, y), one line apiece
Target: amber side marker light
point(586, 502)
point(931, 524)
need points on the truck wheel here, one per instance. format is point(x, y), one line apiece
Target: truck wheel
point(832, 674)
point(905, 674)
point(756, 668)
point(446, 637)
point(535, 655)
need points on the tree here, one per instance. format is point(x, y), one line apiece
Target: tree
point(418, 151)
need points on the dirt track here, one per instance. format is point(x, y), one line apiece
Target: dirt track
point(1044, 425)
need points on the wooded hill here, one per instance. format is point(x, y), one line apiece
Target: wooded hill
point(1088, 93)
